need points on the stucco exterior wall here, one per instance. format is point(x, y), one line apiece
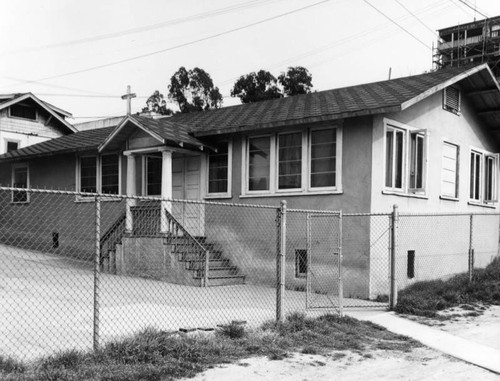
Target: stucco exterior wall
point(249, 235)
point(440, 243)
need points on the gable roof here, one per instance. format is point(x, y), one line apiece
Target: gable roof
point(365, 99)
point(478, 83)
point(88, 140)
point(162, 129)
point(8, 100)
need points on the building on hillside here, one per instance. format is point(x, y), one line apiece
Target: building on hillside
point(474, 42)
point(428, 143)
point(26, 120)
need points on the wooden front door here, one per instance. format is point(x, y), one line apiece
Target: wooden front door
point(186, 185)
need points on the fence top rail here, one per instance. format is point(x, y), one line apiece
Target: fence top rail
point(449, 214)
point(88, 196)
point(315, 211)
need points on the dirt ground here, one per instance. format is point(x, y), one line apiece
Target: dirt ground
point(420, 364)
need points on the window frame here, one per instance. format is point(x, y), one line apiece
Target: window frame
point(8, 140)
point(305, 187)
point(484, 157)
point(228, 193)
point(78, 184)
point(37, 116)
point(14, 168)
point(408, 159)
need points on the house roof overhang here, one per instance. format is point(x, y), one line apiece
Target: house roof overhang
point(55, 112)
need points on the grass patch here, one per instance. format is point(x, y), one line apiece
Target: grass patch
point(430, 297)
point(157, 355)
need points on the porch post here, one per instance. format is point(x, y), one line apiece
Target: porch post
point(131, 191)
point(166, 189)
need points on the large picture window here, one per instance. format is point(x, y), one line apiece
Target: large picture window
point(295, 161)
point(20, 179)
point(218, 170)
point(483, 177)
point(405, 159)
point(99, 174)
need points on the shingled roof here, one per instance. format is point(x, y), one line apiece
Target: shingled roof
point(366, 99)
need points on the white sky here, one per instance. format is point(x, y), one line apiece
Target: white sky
point(52, 47)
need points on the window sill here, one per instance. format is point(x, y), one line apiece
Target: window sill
point(105, 198)
point(448, 198)
point(217, 196)
point(287, 194)
point(19, 203)
point(480, 204)
point(402, 194)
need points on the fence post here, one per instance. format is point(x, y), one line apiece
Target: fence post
point(207, 268)
point(97, 270)
point(393, 300)
point(471, 250)
point(280, 259)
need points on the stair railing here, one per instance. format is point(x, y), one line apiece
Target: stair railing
point(174, 227)
point(110, 239)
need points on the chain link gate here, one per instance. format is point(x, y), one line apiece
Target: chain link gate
point(324, 261)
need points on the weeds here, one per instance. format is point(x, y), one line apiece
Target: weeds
point(158, 355)
point(430, 297)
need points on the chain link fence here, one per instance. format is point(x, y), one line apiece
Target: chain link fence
point(78, 270)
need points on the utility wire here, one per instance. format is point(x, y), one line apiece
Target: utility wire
point(399, 26)
point(417, 18)
point(183, 44)
point(473, 8)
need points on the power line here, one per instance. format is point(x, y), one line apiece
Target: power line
point(473, 8)
point(399, 26)
point(181, 20)
point(183, 44)
point(417, 18)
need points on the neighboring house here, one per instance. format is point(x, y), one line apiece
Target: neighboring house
point(428, 143)
point(27, 120)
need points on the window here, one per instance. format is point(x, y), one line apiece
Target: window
point(259, 163)
point(323, 158)
point(99, 174)
point(483, 179)
point(20, 179)
point(153, 175)
point(290, 161)
point(218, 170)
point(88, 174)
point(110, 174)
point(296, 161)
point(23, 111)
point(449, 170)
point(451, 99)
point(300, 263)
point(405, 158)
point(11, 146)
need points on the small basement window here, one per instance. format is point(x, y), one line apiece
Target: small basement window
point(300, 263)
point(451, 100)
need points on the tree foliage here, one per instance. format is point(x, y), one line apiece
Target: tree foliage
point(156, 103)
point(254, 87)
point(193, 90)
point(261, 86)
point(297, 80)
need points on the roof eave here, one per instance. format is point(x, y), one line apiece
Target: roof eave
point(294, 122)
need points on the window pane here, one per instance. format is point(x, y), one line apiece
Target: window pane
point(290, 161)
point(110, 174)
point(475, 168)
point(259, 150)
point(389, 158)
point(489, 179)
point(88, 174)
point(153, 165)
point(20, 181)
point(449, 170)
point(12, 146)
point(417, 161)
point(398, 179)
point(218, 170)
point(22, 111)
point(323, 158)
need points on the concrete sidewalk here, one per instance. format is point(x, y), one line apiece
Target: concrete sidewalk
point(478, 354)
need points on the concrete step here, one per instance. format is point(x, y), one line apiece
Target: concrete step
point(193, 256)
point(217, 272)
point(223, 280)
point(213, 263)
